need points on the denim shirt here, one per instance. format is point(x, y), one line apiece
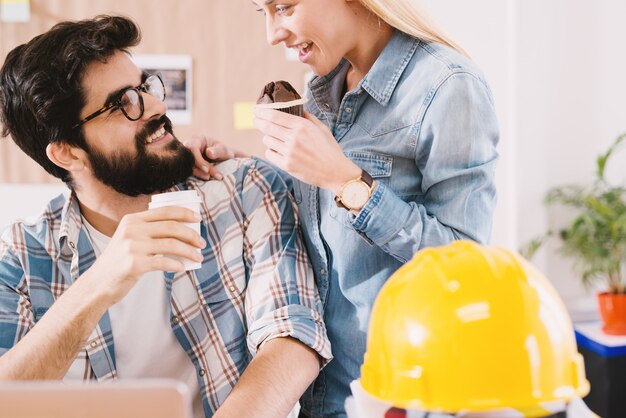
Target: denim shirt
point(422, 123)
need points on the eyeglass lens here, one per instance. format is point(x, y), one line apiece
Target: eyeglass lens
point(131, 101)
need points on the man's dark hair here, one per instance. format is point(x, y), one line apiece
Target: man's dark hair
point(40, 83)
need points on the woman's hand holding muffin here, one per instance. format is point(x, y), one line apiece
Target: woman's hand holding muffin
point(305, 148)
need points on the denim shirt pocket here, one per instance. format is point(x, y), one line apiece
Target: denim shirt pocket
point(378, 166)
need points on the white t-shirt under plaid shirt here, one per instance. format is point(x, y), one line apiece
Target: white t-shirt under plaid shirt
point(255, 283)
point(145, 346)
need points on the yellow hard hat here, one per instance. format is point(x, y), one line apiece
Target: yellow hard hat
point(466, 327)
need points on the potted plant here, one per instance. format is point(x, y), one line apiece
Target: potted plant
point(596, 238)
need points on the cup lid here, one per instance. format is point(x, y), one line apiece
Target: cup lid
point(179, 196)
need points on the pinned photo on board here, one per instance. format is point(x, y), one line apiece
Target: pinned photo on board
point(175, 70)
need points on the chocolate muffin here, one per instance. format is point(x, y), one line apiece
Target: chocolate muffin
point(282, 96)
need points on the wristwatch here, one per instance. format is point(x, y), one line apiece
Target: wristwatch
point(354, 194)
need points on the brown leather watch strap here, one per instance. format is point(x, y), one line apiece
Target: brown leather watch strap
point(365, 176)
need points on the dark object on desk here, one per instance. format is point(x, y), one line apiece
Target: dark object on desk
point(605, 366)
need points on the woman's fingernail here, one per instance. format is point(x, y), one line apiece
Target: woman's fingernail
point(205, 168)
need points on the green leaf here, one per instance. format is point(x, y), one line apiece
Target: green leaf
point(603, 159)
point(529, 250)
point(596, 237)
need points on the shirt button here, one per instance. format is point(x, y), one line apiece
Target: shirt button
point(232, 288)
point(327, 106)
point(175, 320)
point(323, 271)
point(72, 244)
point(348, 110)
point(93, 344)
point(201, 372)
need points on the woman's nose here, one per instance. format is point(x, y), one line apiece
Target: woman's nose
point(275, 32)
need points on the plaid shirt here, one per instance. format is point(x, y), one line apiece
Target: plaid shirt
point(255, 283)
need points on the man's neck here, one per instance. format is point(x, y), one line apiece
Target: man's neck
point(104, 208)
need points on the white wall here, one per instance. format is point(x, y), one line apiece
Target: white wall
point(25, 200)
point(557, 71)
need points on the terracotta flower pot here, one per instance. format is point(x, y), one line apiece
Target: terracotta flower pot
point(613, 313)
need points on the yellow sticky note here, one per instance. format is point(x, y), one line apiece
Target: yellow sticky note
point(242, 115)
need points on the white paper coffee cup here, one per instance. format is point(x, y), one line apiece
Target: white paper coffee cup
point(187, 199)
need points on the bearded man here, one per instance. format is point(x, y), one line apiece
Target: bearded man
point(85, 292)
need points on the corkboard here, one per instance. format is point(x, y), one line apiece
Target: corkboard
point(226, 39)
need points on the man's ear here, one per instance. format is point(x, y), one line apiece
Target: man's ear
point(66, 156)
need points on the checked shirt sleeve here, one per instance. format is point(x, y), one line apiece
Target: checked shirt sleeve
point(281, 297)
point(15, 308)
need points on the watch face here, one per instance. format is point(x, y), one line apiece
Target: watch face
point(355, 195)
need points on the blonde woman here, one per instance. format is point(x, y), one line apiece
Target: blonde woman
point(396, 153)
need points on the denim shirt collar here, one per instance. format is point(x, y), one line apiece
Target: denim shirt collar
point(382, 79)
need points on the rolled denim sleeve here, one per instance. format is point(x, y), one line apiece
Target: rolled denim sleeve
point(281, 299)
point(456, 155)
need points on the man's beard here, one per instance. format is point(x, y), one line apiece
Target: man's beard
point(144, 173)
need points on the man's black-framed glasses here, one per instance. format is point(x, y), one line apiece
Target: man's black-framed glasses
point(130, 100)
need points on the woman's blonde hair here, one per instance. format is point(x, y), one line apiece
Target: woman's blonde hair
point(406, 16)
